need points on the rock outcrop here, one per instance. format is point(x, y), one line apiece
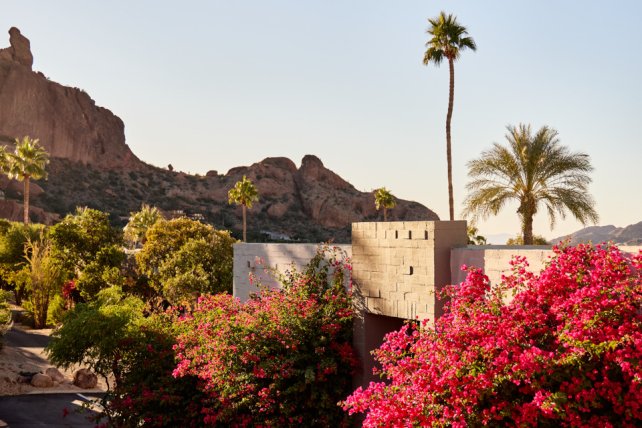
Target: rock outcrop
point(19, 50)
point(66, 120)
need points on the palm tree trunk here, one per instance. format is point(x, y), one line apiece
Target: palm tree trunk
point(244, 226)
point(385, 215)
point(527, 229)
point(451, 96)
point(26, 200)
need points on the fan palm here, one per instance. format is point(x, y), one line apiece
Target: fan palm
point(533, 170)
point(27, 162)
point(447, 41)
point(243, 193)
point(140, 221)
point(384, 199)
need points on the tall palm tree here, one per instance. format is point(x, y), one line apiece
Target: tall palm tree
point(384, 199)
point(27, 162)
point(447, 41)
point(532, 170)
point(243, 193)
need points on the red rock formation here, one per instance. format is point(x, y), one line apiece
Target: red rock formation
point(66, 120)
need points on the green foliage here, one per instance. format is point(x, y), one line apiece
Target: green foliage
point(92, 332)
point(183, 257)
point(90, 249)
point(5, 313)
point(140, 222)
point(45, 277)
point(26, 163)
point(14, 237)
point(474, 238)
point(519, 240)
point(243, 193)
point(384, 199)
point(57, 310)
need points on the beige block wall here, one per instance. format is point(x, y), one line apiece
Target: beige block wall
point(259, 259)
point(397, 265)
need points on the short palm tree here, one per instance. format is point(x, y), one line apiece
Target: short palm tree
point(140, 221)
point(447, 41)
point(384, 199)
point(27, 162)
point(243, 193)
point(533, 170)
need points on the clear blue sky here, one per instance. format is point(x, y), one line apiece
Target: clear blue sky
point(211, 85)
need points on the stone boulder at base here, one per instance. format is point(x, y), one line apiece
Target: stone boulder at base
point(85, 379)
point(55, 374)
point(40, 380)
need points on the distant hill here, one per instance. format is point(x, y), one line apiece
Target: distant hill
point(93, 166)
point(629, 235)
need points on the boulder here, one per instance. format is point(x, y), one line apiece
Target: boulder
point(85, 379)
point(55, 374)
point(40, 380)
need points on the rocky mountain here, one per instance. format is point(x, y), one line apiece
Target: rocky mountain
point(629, 235)
point(66, 120)
point(92, 166)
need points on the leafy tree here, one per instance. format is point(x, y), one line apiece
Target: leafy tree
point(92, 333)
point(14, 237)
point(183, 258)
point(532, 170)
point(519, 240)
point(45, 278)
point(140, 222)
point(26, 163)
point(448, 39)
point(384, 199)
point(243, 193)
point(90, 250)
point(565, 352)
point(474, 238)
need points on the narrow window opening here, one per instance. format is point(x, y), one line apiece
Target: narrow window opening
point(410, 271)
point(248, 264)
point(396, 234)
point(410, 234)
point(425, 234)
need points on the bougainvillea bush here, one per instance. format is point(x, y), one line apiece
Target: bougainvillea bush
point(565, 351)
point(282, 358)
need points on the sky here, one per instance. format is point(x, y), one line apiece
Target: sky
point(211, 85)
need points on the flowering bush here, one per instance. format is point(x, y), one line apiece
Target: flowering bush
point(565, 352)
point(282, 358)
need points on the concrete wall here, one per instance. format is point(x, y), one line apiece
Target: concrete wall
point(495, 259)
point(397, 266)
point(259, 259)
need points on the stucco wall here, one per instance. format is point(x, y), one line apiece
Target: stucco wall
point(495, 259)
point(258, 259)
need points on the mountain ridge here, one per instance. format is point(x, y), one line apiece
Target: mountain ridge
point(92, 165)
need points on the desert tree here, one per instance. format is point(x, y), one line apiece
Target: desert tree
point(243, 193)
point(27, 162)
point(384, 199)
